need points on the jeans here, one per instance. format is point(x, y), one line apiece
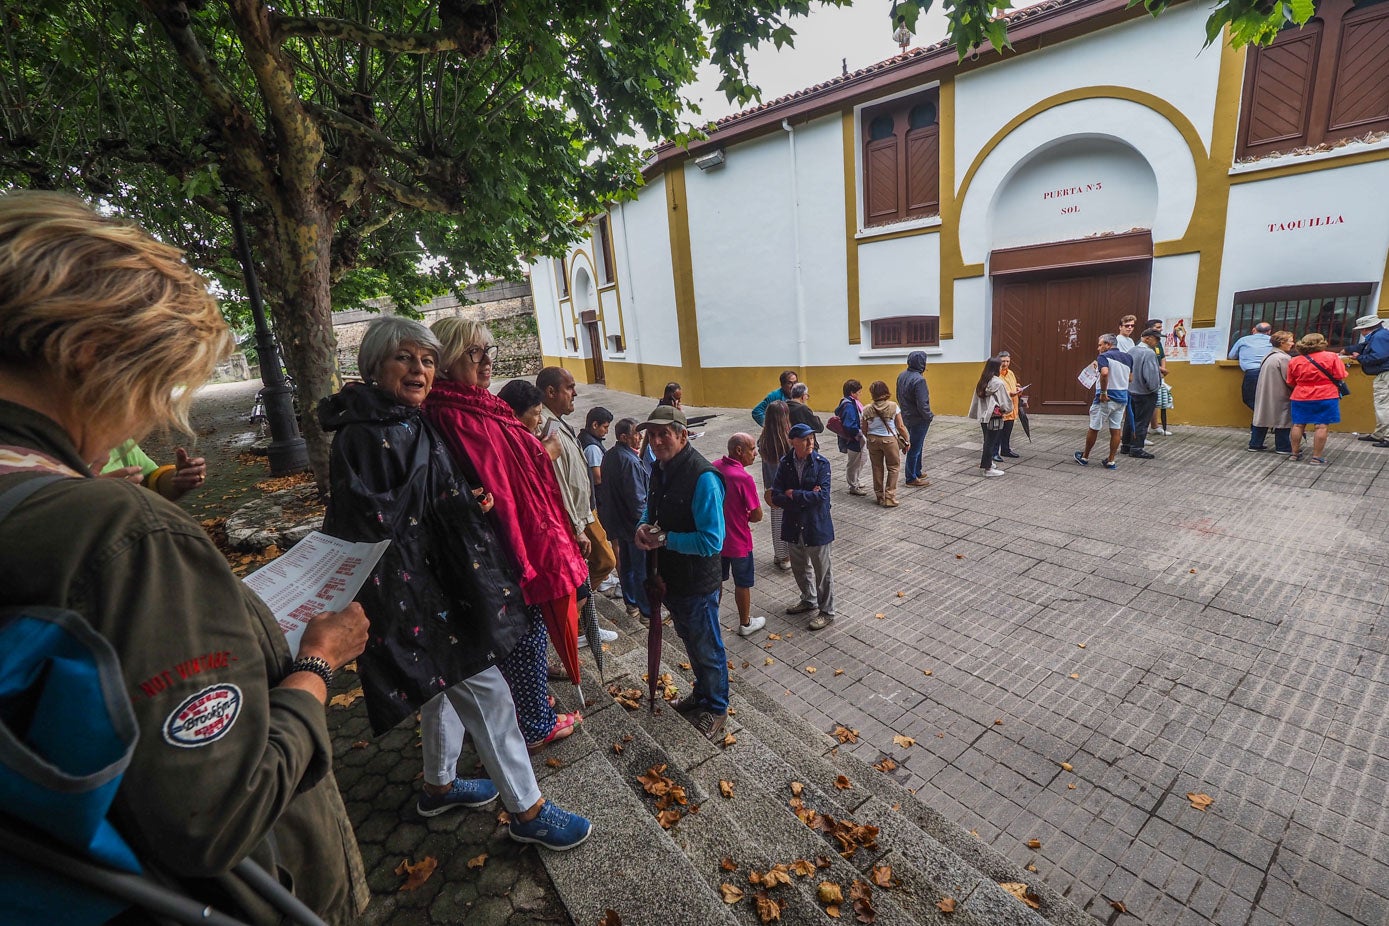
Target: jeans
point(916, 433)
point(1137, 420)
point(696, 619)
point(1282, 443)
point(1249, 386)
point(631, 571)
point(993, 442)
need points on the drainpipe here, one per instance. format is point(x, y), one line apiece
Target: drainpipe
point(631, 301)
point(796, 239)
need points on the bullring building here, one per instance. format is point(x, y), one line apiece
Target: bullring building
point(1108, 164)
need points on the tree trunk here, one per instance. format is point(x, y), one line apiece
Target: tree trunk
point(304, 321)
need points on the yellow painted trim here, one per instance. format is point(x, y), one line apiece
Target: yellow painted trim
point(851, 224)
point(1290, 170)
point(970, 271)
point(1384, 292)
point(951, 258)
point(1171, 248)
point(1206, 233)
point(682, 274)
point(904, 233)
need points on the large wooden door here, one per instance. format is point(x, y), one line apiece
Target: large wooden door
point(595, 347)
point(1049, 321)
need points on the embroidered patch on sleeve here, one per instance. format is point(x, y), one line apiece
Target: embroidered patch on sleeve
point(204, 717)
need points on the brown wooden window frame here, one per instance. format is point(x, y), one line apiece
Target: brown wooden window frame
point(1315, 117)
point(903, 331)
point(1295, 308)
point(602, 234)
point(889, 160)
point(562, 277)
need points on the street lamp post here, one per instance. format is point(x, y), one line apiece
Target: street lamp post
point(288, 453)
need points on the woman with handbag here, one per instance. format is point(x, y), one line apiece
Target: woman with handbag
point(1318, 379)
point(990, 407)
point(887, 441)
point(847, 424)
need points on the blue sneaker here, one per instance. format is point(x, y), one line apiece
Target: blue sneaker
point(1112, 464)
point(553, 828)
point(1081, 458)
point(464, 792)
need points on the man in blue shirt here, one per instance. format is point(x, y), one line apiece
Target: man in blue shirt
point(1250, 351)
point(1372, 353)
point(781, 393)
point(684, 521)
point(1111, 401)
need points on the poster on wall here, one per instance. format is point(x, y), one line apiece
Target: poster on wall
point(1174, 339)
point(1205, 345)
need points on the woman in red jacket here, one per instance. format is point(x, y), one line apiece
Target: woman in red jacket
point(528, 512)
point(1316, 400)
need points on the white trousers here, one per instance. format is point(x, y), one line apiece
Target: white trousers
point(853, 469)
point(482, 704)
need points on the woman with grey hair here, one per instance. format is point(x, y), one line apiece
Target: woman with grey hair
point(443, 603)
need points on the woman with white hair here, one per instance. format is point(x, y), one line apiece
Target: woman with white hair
point(443, 603)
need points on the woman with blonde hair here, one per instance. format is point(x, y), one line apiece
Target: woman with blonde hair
point(104, 335)
point(887, 440)
point(772, 444)
point(528, 511)
point(1315, 376)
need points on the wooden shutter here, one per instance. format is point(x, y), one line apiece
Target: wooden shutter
point(887, 333)
point(880, 181)
point(1360, 94)
point(923, 172)
point(1278, 92)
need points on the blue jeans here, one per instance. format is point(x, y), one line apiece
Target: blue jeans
point(631, 572)
point(696, 620)
point(916, 433)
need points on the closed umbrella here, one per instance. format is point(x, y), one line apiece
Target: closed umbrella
point(588, 627)
point(562, 624)
point(1022, 419)
point(655, 593)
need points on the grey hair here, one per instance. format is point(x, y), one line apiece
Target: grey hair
point(1263, 328)
point(1003, 353)
point(800, 391)
point(384, 337)
point(1109, 339)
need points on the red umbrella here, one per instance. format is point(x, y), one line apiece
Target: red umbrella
point(562, 623)
point(655, 593)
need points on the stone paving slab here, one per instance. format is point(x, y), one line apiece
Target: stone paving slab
point(1236, 643)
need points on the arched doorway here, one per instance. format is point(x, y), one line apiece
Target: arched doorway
point(1072, 254)
point(586, 307)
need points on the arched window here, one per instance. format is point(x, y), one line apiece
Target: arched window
point(901, 160)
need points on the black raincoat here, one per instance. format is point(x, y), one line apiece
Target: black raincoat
point(443, 601)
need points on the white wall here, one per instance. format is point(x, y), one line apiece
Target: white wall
point(898, 276)
point(1343, 236)
point(1117, 126)
point(1173, 292)
point(641, 244)
point(547, 315)
point(1162, 56)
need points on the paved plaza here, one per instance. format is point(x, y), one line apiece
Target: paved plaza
point(1075, 651)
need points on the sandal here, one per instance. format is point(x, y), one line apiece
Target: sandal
point(564, 726)
point(557, 673)
point(1319, 461)
point(1295, 457)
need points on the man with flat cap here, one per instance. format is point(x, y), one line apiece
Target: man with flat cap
point(684, 522)
point(1372, 353)
point(801, 489)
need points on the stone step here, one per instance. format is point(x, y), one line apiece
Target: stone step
point(932, 857)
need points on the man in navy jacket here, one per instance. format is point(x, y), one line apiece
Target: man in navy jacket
point(801, 489)
point(1372, 352)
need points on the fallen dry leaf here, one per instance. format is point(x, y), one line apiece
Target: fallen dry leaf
point(843, 783)
point(901, 594)
point(731, 893)
point(1119, 905)
point(768, 910)
point(777, 874)
point(904, 741)
point(478, 861)
point(416, 874)
point(882, 876)
point(797, 788)
point(1081, 645)
point(728, 740)
point(685, 666)
point(946, 905)
point(1020, 891)
point(552, 762)
point(828, 892)
point(845, 735)
point(726, 788)
point(668, 818)
point(803, 867)
point(1075, 675)
point(769, 661)
point(1068, 767)
point(610, 918)
point(1200, 801)
point(810, 669)
point(360, 744)
point(617, 748)
point(998, 721)
point(1034, 843)
point(959, 556)
point(345, 699)
point(880, 615)
point(1030, 867)
point(838, 672)
point(1071, 786)
point(773, 636)
point(728, 864)
point(927, 672)
point(886, 765)
point(1191, 571)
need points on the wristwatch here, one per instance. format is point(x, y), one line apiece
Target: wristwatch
point(315, 664)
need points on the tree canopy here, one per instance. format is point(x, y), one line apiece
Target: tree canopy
point(386, 147)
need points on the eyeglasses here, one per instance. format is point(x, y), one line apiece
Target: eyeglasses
point(1130, 325)
point(475, 353)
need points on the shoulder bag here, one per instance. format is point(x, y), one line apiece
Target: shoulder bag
point(1341, 386)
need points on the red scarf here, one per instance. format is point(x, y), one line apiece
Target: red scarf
point(512, 464)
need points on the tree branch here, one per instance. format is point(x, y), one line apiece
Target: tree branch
point(345, 123)
point(413, 197)
point(473, 32)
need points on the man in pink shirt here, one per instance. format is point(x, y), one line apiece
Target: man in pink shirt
point(741, 507)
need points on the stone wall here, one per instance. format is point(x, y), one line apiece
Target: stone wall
point(507, 307)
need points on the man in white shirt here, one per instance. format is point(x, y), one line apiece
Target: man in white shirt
point(1124, 339)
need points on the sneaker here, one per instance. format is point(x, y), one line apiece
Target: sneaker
point(464, 792)
point(604, 636)
point(858, 491)
point(1142, 455)
point(554, 828)
point(1081, 458)
point(611, 586)
point(990, 473)
point(752, 626)
point(1367, 437)
point(783, 564)
point(686, 705)
point(1255, 449)
point(800, 607)
point(820, 621)
point(1164, 432)
point(1147, 443)
point(709, 724)
point(1283, 453)
point(1111, 464)
point(1381, 443)
point(998, 458)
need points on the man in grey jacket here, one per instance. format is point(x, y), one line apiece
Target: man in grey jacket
point(1143, 387)
point(914, 398)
